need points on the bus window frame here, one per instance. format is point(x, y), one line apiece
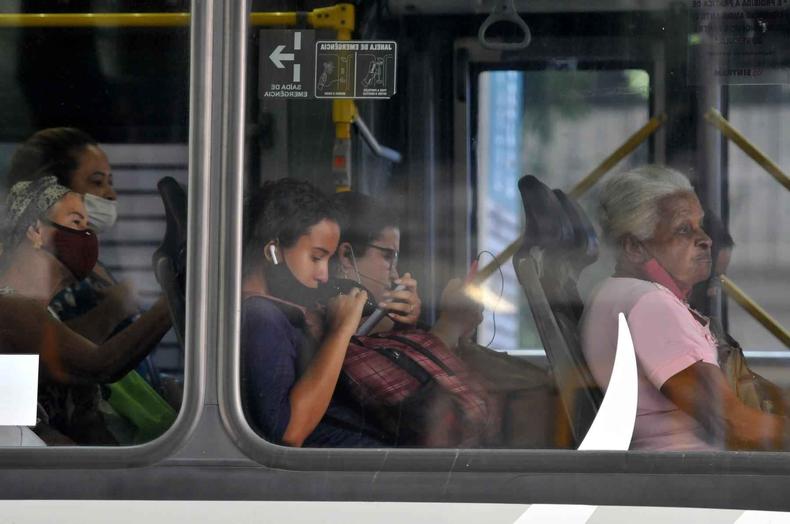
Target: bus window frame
point(205, 28)
point(412, 460)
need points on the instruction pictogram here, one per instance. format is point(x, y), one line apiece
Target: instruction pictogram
point(355, 69)
point(286, 63)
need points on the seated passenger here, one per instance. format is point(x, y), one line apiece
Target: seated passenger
point(47, 246)
point(653, 219)
point(97, 305)
point(515, 392)
point(292, 352)
point(368, 253)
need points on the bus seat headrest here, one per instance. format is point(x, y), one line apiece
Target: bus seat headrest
point(585, 239)
point(546, 224)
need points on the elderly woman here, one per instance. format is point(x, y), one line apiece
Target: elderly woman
point(47, 246)
point(654, 221)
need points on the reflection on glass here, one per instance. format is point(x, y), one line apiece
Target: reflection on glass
point(93, 122)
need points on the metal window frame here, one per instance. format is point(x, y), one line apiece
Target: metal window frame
point(205, 30)
point(476, 462)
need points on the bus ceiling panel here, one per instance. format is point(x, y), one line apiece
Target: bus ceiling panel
point(482, 7)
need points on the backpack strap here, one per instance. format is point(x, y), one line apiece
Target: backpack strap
point(402, 360)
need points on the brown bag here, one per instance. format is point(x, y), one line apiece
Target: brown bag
point(526, 394)
point(752, 389)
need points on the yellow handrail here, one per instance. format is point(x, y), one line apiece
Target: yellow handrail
point(754, 309)
point(339, 17)
point(94, 20)
point(631, 143)
point(721, 123)
point(618, 154)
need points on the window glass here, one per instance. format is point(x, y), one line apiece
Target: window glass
point(589, 160)
point(545, 123)
point(758, 209)
point(95, 114)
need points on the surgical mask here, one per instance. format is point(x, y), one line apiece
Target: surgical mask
point(656, 272)
point(102, 212)
point(76, 249)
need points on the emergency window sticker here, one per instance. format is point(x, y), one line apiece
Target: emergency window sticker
point(286, 64)
point(355, 69)
point(737, 41)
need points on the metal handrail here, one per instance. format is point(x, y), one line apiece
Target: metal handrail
point(722, 124)
point(339, 17)
point(631, 143)
point(754, 309)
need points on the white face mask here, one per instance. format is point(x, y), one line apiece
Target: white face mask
point(102, 213)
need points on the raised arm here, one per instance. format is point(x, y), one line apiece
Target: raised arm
point(310, 395)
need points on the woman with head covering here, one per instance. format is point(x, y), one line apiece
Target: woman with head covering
point(654, 221)
point(96, 305)
point(47, 246)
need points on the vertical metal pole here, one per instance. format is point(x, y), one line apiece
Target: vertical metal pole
point(203, 150)
point(709, 146)
point(232, 202)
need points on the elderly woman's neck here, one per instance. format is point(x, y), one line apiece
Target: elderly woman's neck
point(35, 274)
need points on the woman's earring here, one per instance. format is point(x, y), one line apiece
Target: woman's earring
point(38, 244)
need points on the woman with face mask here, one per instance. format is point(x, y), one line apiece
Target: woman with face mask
point(653, 219)
point(292, 349)
point(368, 254)
point(96, 305)
point(47, 246)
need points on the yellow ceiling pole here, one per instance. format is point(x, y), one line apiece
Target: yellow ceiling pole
point(722, 124)
point(631, 143)
point(754, 309)
point(617, 155)
point(94, 20)
point(340, 17)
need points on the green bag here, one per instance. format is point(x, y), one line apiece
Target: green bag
point(140, 404)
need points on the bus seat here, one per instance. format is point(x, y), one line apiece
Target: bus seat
point(169, 260)
point(558, 242)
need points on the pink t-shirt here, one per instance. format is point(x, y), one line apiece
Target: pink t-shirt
point(667, 340)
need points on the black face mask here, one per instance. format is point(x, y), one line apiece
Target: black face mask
point(336, 286)
point(283, 284)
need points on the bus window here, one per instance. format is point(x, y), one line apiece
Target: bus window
point(542, 122)
point(760, 252)
point(484, 196)
point(95, 112)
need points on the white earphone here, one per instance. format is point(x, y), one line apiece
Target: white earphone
point(273, 254)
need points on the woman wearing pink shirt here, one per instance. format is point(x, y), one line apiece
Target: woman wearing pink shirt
point(653, 219)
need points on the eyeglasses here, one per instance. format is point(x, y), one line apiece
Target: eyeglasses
point(390, 255)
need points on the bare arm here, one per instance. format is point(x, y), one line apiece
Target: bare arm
point(68, 357)
point(701, 390)
point(310, 395)
point(117, 304)
point(459, 315)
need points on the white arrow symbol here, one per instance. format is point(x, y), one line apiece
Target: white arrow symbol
point(277, 56)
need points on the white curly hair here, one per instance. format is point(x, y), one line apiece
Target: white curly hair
point(628, 203)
